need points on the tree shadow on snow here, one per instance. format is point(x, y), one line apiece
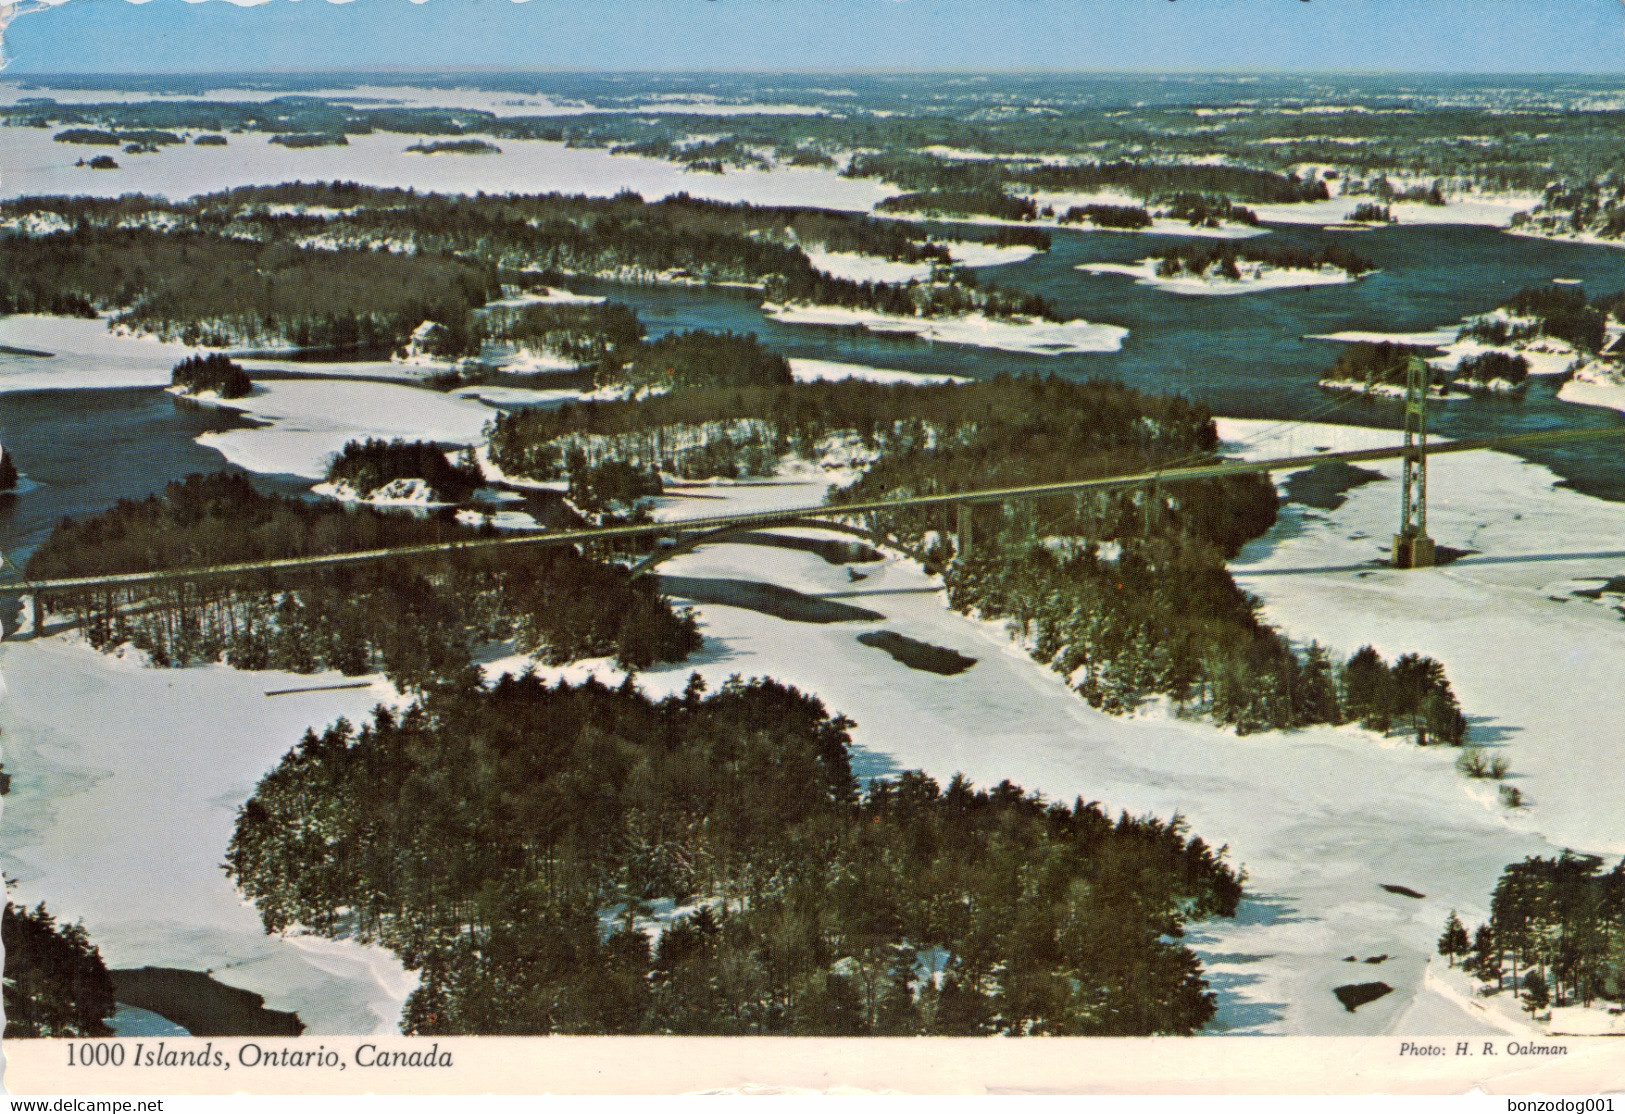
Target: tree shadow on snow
point(1238, 1014)
point(1484, 731)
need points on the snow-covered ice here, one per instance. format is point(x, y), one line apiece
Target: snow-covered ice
point(126, 785)
point(36, 165)
point(83, 353)
point(309, 420)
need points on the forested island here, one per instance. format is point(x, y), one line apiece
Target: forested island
point(1123, 218)
point(1557, 311)
point(962, 203)
point(455, 147)
point(364, 469)
point(346, 266)
point(1581, 208)
point(416, 621)
point(212, 374)
point(1383, 368)
point(513, 842)
point(1235, 263)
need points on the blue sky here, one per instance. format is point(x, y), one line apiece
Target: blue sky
point(1409, 35)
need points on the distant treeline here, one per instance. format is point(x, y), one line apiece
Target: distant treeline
point(510, 843)
point(919, 172)
point(416, 621)
point(455, 147)
point(962, 203)
point(95, 137)
point(1125, 217)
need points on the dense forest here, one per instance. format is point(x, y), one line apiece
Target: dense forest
point(222, 291)
point(512, 842)
point(1125, 592)
point(416, 621)
point(1556, 933)
point(1224, 260)
point(579, 332)
point(962, 203)
point(702, 360)
point(56, 982)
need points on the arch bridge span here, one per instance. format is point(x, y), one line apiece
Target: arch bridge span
point(687, 542)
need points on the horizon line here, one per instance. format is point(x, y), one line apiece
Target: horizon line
point(15, 70)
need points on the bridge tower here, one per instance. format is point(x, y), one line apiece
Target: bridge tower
point(1413, 549)
point(962, 530)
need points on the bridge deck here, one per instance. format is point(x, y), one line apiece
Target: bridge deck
point(790, 515)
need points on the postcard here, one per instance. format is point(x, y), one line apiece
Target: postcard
point(678, 545)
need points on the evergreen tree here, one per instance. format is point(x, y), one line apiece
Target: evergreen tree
point(1486, 959)
point(56, 984)
point(1454, 941)
point(8, 471)
point(1537, 995)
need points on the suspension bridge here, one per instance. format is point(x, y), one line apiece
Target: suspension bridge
point(1412, 547)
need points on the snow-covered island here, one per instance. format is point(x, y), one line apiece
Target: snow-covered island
point(1229, 269)
point(1549, 331)
point(1035, 336)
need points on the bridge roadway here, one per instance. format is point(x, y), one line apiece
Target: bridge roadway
point(790, 515)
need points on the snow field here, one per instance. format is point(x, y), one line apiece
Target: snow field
point(309, 420)
point(37, 165)
point(134, 778)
